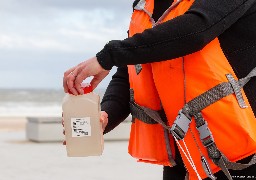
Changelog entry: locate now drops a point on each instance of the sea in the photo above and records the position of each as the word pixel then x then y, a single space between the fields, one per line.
pixel 33 102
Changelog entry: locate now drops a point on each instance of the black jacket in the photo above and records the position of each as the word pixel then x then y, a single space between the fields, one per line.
pixel 232 21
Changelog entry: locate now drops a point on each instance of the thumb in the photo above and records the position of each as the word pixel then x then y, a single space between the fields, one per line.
pixel 95 82
pixel 98 78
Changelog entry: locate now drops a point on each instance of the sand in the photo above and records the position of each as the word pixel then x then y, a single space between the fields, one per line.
pixel 12 123
pixel 25 160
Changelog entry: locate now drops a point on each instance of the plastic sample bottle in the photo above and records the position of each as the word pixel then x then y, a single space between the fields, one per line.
pixel 83 129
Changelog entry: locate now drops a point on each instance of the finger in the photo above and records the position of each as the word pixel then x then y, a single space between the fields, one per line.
pixel 95 82
pixel 65 85
pixel 70 82
pixel 78 83
pixel 103 113
pixel 97 79
pixel 104 125
pixel 73 91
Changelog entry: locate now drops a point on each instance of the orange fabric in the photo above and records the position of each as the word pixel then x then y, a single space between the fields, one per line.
pixel 233 128
pixel 153 148
pixel 148 151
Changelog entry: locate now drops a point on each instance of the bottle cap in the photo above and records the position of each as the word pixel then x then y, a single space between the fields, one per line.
pixel 86 87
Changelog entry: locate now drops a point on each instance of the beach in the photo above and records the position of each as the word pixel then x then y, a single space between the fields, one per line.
pixel 22 159
pixel 12 124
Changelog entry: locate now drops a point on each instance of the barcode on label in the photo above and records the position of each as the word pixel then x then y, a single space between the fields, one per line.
pixel 81 127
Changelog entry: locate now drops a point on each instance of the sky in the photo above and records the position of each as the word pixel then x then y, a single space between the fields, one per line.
pixel 41 39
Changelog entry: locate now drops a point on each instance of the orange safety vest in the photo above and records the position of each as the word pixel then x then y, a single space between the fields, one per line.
pixel 162 85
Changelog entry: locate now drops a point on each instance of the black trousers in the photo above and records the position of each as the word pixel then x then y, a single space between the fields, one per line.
pixel 178 172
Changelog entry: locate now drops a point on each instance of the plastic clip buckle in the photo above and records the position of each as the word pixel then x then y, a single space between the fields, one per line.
pixel 180 126
pixel 205 135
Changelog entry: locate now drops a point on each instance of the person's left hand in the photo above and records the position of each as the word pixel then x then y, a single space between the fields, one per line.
pixel 74 77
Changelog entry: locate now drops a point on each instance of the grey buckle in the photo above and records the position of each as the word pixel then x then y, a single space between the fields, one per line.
pixel 205 135
pixel 180 126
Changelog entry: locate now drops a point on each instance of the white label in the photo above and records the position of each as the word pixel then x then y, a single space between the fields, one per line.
pixel 81 127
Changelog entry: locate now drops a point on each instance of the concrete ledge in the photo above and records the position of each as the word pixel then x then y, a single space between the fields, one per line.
pixel 44 129
pixel 49 129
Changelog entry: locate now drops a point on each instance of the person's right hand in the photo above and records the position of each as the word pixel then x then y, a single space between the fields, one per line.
pixel 74 77
pixel 103 120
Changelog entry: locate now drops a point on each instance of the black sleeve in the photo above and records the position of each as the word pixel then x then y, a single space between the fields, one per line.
pixel 185 34
pixel 116 99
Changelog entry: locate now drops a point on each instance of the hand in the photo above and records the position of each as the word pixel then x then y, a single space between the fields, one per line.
pixel 74 77
pixel 103 120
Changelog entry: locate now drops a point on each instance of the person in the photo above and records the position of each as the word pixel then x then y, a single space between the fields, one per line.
pixel 186 74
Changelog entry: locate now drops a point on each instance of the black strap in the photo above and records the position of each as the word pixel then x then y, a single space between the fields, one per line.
pixel 138 111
